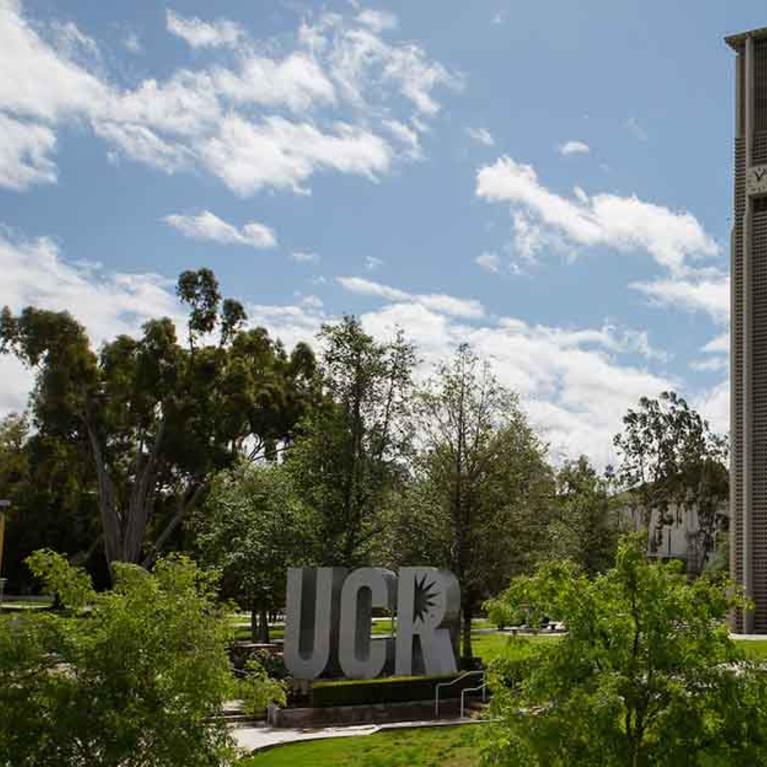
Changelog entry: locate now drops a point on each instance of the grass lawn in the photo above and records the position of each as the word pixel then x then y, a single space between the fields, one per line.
pixel 443 746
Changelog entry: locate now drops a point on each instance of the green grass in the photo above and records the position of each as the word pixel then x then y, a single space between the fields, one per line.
pixel 426 747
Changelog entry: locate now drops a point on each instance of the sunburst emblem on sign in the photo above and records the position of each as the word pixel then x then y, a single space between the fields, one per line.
pixel 425 598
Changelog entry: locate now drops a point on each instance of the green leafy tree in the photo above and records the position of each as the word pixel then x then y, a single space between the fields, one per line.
pixel 585 527
pixel 484 476
pixel 253 527
pixel 132 676
pixel 671 463
pixel 646 674
pixel 351 455
pixel 158 419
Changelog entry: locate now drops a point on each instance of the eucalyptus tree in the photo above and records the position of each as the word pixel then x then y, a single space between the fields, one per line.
pixel 158 417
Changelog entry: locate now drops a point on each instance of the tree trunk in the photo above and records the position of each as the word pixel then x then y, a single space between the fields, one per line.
pixel 263 633
pixel 253 622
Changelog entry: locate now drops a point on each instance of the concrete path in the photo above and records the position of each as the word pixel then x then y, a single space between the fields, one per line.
pixel 260 736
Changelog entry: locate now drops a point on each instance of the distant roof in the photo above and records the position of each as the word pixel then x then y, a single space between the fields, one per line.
pixel 736 41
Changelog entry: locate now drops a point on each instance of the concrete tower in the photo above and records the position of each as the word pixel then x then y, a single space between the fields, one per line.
pixel 748 330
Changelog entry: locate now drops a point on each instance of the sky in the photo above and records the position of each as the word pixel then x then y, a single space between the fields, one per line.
pixel 549 181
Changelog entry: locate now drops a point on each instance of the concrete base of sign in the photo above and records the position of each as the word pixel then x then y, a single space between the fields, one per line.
pixel 378 713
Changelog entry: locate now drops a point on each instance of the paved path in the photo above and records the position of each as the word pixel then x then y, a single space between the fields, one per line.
pixel 260 736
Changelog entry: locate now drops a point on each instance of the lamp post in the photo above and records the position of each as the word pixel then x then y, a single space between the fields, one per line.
pixel 4 504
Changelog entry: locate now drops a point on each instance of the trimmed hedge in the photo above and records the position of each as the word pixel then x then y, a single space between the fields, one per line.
pixel 386 690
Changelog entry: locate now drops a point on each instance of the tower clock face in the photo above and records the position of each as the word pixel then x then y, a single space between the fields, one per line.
pixel 756 180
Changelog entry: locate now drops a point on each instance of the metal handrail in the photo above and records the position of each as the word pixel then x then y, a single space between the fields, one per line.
pixel 482 687
pixel 448 684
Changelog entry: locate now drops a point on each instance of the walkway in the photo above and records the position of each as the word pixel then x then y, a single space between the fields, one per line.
pixel 259 736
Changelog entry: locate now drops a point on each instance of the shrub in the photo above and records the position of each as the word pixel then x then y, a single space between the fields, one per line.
pixel 646 675
pixel 129 677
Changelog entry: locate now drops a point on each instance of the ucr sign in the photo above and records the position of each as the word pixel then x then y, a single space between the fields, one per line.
pixel 329 618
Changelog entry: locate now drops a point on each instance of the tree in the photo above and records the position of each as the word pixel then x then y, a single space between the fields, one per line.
pixel 484 470
pixel 646 674
pixel 585 527
pixel 253 527
pixel 671 463
pixel 350 456
pixel 158 419
pixel 133 676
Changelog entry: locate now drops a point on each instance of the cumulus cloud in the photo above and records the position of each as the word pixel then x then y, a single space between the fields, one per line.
pixel 305 256
pixel 228 116
pixel 573 147
pixel 480 136
pixel 694 293
pixel 490 262
pixel 201 34
pixel 24 154
pixel 377 20
pixel 438 302
pixel 623 223
pixel 277 152
pixel 206 226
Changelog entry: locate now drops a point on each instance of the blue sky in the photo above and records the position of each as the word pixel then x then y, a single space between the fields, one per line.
pixel 549 181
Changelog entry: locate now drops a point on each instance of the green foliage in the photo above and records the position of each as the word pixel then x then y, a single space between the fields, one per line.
pixel 481 497
pixel 350 459
pixel 672 464
pixel 132 680
pixel 585 527
pixel 253 527
pixel 646 675
pixel 257 689
pixel 151 420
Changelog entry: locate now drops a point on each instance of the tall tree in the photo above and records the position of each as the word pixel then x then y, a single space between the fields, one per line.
pixel 158 418
pixel 252 527
pixel 485 471
pixel 350 456
pixel 585 526
pixel 671 463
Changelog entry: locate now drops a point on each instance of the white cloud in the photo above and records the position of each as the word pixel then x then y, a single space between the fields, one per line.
pixel 481 136
pixel 143 145
pixel 107 303
pixel 221 117
pixel 359 60
pixel 693 292
pixel 623 223
pixel 490 262
pixel 372 263
pixel 206 226
pixel 132 43
pixel 201 34
pixel 718 345
pixel 573 382
pixel 573 147
pixel 378 21
pixel 280 153
pixel 438 302
pixel 24 154
pixel 296 81
pixel 305 257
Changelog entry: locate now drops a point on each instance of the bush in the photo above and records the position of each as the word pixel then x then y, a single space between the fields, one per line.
pixel 257 689
pixel 129 677
pixel 392 690
pixel 646 675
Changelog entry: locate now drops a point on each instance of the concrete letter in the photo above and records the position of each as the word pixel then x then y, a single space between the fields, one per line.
pixel 311 620
pixel 362 657
pixel 428 607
